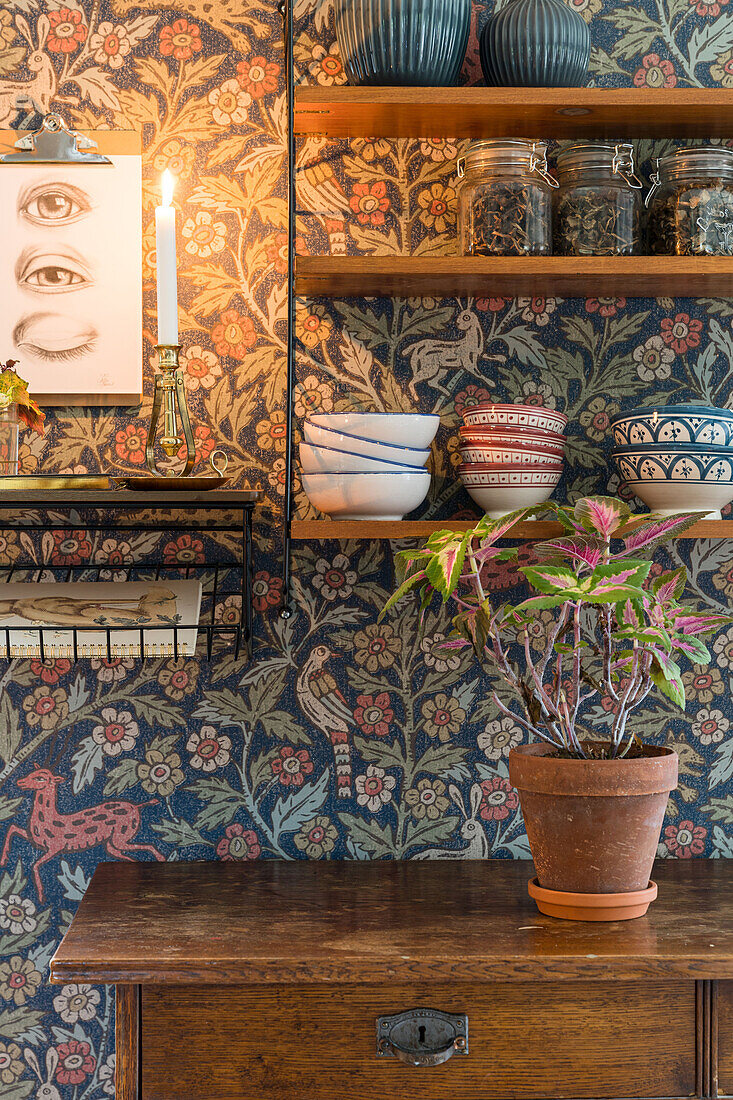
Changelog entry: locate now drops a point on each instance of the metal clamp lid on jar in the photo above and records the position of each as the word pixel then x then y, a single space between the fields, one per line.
pixel 700 161
pixel 584 156
pixel 507 153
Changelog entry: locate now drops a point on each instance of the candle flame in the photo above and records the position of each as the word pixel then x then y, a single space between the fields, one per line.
pixel 167 185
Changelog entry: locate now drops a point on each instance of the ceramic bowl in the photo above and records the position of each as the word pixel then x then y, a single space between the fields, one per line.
pixel 660 462
pixel 506 456
pixel 669 497
pixel 324 460
pixel 511 433
pixel 526 416
pixel 501 491
pixel 413 430
pixel 367 496
pixel 386 452
pixel 674 424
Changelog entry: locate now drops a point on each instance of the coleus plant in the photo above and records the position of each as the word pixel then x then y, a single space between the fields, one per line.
pixel 14 391
pixel 615 632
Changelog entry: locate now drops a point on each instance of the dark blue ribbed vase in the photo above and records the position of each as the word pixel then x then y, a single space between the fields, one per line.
pixel 402 41
pixel 535 44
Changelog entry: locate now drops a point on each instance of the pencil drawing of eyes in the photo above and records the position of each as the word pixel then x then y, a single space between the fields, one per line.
pixel 52 272
pixel 52 204
pixel 54 338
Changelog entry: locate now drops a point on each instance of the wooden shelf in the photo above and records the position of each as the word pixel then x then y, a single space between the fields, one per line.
pixel 306 529
pixel 512 276
pixel 513 112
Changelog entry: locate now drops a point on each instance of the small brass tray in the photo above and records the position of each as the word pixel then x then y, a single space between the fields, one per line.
pixel 16 482
pixel 169 484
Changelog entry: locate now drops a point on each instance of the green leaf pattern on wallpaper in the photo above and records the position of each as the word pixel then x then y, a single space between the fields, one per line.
pixel 234 761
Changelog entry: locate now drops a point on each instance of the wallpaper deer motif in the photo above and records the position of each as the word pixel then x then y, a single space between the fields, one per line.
pixel 342 738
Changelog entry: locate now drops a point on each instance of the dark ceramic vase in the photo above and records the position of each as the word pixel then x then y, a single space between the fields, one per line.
pixel 535 44
pixel 403 41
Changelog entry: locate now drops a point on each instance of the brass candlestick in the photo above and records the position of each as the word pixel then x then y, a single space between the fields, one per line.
pixel 169 393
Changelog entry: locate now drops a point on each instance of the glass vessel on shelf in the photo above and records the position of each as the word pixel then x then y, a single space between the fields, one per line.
pixel 505 204
pixel 691 203
pixel 597 205
pixel 9 425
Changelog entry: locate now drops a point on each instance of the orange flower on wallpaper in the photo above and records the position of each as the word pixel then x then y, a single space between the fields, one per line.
pixel 370 202
pixel 258 76
pixel 180 39
pixel 234 334
pixel 177 157
pixel 130 444
pixel 68 30
pixel 277 253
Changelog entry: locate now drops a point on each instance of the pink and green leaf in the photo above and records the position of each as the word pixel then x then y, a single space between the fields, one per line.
pixel 648 535
pixel 601 515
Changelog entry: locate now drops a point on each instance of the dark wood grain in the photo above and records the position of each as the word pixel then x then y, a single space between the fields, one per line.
pixel 509 276
pixel 508 112
pixel 124 498
pixel 304 529
pixel 127 1032
pixel 525 1040
pixel 300 922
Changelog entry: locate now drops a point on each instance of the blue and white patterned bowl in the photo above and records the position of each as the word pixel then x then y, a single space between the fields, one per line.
pixel 662 462
pixel 674 424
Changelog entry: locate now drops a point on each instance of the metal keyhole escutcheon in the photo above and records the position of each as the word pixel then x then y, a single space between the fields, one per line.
pixel 422 1037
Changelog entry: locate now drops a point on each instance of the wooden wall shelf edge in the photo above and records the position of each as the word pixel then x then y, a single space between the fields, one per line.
pixel 509 277
pixel 303 529
pixel 507 112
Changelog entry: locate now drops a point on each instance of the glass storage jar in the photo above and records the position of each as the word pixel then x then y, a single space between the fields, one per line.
pixel 597 205
pixel 691 203
pixel 505 204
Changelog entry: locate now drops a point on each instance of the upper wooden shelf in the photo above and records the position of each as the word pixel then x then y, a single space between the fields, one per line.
pixel 512 276
pixel 510 112
pixel 303 529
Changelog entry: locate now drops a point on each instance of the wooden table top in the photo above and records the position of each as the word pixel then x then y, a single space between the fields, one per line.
pixel 281 922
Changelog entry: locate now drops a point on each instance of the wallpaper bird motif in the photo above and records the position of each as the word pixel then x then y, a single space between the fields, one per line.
pixel 342 738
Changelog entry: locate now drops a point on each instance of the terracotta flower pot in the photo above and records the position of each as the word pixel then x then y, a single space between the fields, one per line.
pixel 593 825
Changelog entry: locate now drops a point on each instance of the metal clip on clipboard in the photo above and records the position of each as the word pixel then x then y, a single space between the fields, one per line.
pixel 54 143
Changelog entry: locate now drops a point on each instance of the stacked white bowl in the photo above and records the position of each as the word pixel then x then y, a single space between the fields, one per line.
pixel 512 455
pixel 677 458
pixel 367 465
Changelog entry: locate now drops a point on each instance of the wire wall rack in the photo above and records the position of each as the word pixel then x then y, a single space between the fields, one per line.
pixel 225 573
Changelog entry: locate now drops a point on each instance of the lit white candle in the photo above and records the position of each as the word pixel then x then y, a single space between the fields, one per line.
pixel 165 250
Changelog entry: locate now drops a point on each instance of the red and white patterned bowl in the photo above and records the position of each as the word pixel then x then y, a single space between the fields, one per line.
pixel 510 456
pixel 509 432
pixel 501 491
pixel 509 475
pixel 546 441
pixel 526 416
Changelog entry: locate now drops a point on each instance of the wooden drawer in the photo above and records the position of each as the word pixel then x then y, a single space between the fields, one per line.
pixel 526 1040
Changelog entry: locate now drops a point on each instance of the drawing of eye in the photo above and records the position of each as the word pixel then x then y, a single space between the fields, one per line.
pixel 54 338
pixel 53 204
pixel 52 273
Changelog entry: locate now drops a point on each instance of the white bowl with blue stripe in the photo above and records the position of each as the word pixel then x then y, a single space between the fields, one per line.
pixel 674 424
pixel 414 430
pixel 319 436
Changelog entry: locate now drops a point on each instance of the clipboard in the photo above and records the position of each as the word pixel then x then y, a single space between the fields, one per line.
pixel 71 269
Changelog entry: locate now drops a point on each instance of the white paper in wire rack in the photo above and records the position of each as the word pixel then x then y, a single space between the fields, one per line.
pixel 156 607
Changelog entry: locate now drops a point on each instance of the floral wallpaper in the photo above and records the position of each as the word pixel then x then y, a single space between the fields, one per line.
pixel 342 738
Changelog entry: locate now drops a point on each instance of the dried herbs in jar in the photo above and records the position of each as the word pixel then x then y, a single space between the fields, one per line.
pixel 691 203
pixel 505 205
pixel 597 206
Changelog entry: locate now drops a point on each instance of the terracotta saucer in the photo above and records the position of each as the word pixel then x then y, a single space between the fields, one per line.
pixel 569 906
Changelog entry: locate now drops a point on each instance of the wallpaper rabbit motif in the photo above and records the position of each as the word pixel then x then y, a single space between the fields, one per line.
pixel 228 760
